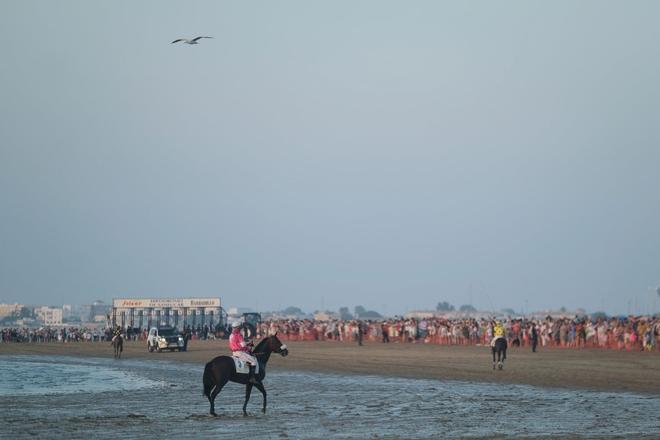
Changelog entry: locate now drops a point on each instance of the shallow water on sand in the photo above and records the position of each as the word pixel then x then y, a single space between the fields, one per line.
pixel 25 375
pixel 66 397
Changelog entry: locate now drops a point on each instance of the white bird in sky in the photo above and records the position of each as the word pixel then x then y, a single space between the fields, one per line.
pixel 187 41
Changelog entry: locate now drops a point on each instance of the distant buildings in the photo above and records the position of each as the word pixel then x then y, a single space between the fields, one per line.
pixel 421 314
pixel 326 316
pixel 98 311
pixel 20 314
pixel 10 309
pixel 557 314
pixel 238 311
pixel 49 315
pixel 453 314
pixel 67 311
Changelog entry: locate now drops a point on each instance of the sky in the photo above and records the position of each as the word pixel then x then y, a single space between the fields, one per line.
pixel 327 154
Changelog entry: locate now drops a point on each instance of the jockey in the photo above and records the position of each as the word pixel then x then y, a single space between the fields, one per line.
pixel 498 332
pixel 242 350
pixel 116 333
pixel 499 329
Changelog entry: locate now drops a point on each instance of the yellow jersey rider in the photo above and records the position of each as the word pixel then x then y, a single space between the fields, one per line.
pixel 498 332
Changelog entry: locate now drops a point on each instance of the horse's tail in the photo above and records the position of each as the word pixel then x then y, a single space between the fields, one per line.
pixel 207 379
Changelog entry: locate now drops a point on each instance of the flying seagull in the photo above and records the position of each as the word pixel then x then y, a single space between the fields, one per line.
pixel 187 41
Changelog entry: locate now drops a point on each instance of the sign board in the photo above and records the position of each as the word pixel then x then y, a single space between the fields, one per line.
pixel 161 303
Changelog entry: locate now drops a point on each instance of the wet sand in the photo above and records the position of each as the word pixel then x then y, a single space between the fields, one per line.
pixel 588 368
pixel 67 397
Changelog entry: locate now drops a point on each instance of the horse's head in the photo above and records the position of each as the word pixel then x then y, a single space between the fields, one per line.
pixel 276 345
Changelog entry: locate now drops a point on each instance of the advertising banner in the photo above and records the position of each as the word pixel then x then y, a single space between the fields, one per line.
pixel 161 303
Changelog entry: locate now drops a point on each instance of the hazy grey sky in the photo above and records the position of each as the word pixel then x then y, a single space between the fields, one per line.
pixel 389 154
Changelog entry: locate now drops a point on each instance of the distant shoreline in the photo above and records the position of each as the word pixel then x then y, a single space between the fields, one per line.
pixel 603 370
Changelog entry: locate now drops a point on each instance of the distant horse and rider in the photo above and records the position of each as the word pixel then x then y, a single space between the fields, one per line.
pixel 223 369
pixel 118 345
pixel 498 346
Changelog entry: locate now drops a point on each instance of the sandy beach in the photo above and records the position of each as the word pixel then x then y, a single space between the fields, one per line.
pixel 588 368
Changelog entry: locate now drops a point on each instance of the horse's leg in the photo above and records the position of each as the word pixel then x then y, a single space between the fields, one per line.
pixel 211 398
pixel 493 350
pixel 212 395
pixel 261 388
pixel 248 390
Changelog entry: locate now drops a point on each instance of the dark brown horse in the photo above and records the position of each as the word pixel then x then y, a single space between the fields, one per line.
pixel 222 369
pixel 499 348
pixel 118 345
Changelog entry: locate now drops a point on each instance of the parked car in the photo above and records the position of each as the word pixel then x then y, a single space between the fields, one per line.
pixel 164 338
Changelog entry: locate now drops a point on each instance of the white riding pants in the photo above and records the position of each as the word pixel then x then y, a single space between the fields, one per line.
pixel 246 357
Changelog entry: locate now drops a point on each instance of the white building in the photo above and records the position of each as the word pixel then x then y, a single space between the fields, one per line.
pixel 49 315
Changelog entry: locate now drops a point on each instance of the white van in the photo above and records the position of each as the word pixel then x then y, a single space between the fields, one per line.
pixel 164 338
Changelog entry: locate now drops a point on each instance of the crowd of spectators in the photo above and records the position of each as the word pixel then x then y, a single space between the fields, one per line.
pixel 631 333
pixel 54 334
pixel 83 334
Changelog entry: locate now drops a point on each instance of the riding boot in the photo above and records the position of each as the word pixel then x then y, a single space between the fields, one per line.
pixel 251 376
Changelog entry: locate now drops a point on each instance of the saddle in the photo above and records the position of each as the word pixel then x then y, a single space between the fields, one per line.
pixel 243 367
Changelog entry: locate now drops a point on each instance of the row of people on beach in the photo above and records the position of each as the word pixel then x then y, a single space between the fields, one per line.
pixel 85 334
pixel 54 334
pixel 631 333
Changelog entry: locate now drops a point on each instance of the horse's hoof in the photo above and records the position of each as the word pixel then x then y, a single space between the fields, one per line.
pixel 245 414
pixel 214 414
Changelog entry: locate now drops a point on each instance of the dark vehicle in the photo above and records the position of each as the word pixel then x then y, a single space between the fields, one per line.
pixel 250 323
pixel 222 329
pixel 164 338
